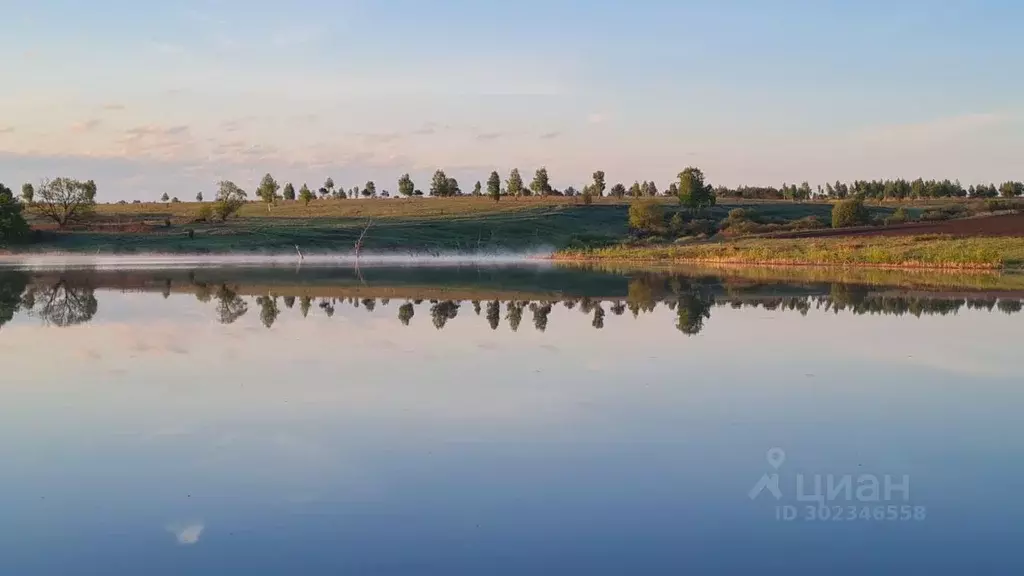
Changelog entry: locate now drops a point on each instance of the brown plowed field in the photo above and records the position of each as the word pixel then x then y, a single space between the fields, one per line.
pixel 1002 225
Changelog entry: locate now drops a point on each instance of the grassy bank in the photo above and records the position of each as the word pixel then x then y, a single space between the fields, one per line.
pixel 896 252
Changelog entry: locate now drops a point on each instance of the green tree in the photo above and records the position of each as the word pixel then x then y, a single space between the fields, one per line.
pixel 370 189
pixel 693 192
pixel 65 200
pixel 165 197
pixel 494 186
pixel 635 191
pixel 328 186
pixel 646 216
pixel 849 212
pixel 289 191
pixel 267 190
pixel 90 190
pixel 597 188
pixel 13 227
pixel 199 197
pixel 441 185
pixel 477 188
pixel 1010 189
pixel 541 185
pixel 618 191
pixel 230 199
pixel 305 194
pixel 28 192
pixel 514 184
pixel 405 186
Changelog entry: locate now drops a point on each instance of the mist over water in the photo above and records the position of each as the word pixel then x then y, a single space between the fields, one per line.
pixel 538 257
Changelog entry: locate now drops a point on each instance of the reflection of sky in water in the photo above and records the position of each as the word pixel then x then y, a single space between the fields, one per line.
pixel 155 440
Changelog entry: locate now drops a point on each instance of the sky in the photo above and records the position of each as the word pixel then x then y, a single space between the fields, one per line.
pixel 153 97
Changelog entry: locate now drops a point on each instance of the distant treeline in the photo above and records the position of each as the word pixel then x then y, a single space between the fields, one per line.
pixel 875 189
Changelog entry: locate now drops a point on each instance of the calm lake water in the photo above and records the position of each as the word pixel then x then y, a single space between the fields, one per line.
pixel 216 419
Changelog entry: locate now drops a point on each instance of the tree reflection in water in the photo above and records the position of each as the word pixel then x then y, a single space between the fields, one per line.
pixel 68 299
pixel 65 304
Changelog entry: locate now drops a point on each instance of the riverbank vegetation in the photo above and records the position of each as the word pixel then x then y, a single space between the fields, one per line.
pixel 898 251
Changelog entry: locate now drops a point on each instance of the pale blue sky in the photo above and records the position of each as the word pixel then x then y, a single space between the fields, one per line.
pixel 148 97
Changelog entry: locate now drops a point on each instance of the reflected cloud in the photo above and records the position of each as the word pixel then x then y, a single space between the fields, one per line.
pixel 187 535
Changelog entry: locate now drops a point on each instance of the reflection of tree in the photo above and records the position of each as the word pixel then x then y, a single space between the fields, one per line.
pixel 540 315
pixel 370 304
pixel 12 285
pixel 289 301
pixel 1009 306
pixel 598 321
pixel 304 304
pixel 268 310
pixel 514 314
pixel 494 314
pixel 693 307
pixel 327 307
pixel 204 292
pixel 406 312
pixel 64 304
pixel 230 306
pixel 476 307
pixel 442 312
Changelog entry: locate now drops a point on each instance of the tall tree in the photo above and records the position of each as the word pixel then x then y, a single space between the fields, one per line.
pixel 13 227
pixel 514 184
pixel 693 192
pixel 329 186
pixel 405 186
pixel 65 200
pixel 597 188
pixel 541 185
pixel 199 197
pixel 370 189
pixel 289 191
pixel 305 194
pixel 494 186
pixel 28 192
pixel 165 197
pixel 635 190
pixel 267 190
pixel 441 185
pixel 477 188
pixel 230 199
pixel 618 190
pixel 405 313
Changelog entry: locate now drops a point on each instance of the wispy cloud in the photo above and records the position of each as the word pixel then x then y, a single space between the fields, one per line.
pixel 550 135
pixel 483 136
pixel 113 107
pixel 932 131
pixel 596 118
pixel 85 126
pixel 6 129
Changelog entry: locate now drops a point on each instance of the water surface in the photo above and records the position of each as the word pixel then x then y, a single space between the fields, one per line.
pixel 513 419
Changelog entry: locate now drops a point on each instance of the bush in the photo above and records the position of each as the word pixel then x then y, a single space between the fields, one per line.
pixel 676 224
pixel 849 213
pixel 935 215
pixel 739 214
pixel 588 199
pixel 698 227
pixel 646 216
pixel 205 213
pixel 898 217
